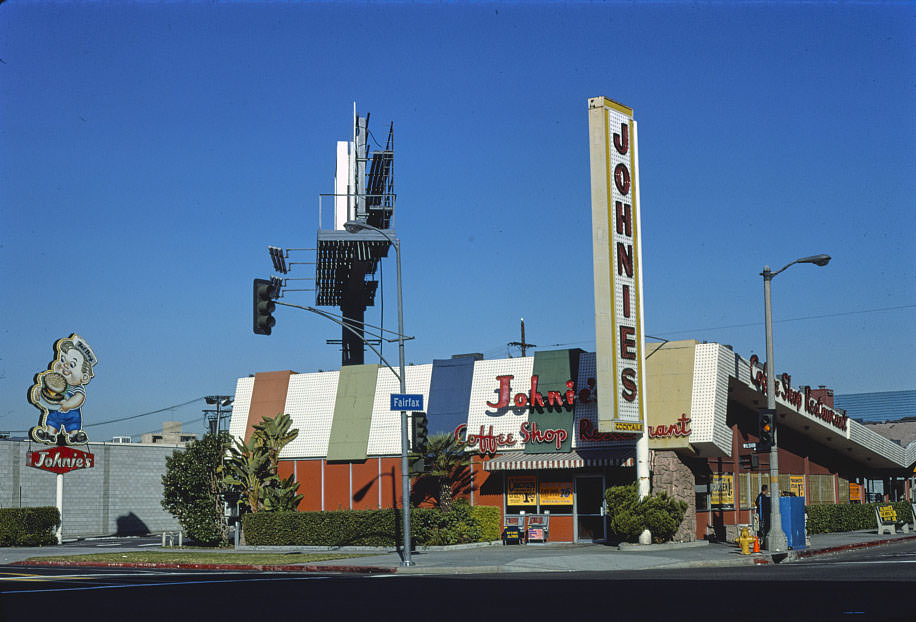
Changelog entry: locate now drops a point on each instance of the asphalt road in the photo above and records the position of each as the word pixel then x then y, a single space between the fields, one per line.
pixel 874 584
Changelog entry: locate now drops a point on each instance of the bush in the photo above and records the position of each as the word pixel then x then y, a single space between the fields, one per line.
pixel 488 517
pixel 190 489
pixel 428 526
pixel 628 516
pixel 831 518
pixel 28 526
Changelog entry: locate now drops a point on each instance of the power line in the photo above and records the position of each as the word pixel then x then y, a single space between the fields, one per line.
pixel 152 412
pixel 794 319
pixel 751 324
pixel 183 423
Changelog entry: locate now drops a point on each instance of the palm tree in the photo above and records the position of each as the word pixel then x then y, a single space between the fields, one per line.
pixel 246 471
pixel 447 465
pixel 273 435
pixel 253 466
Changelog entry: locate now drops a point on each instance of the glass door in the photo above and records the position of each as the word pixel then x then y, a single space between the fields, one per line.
pixel 590 523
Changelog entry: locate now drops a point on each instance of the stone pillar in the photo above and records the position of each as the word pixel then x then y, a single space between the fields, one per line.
pixel 671 475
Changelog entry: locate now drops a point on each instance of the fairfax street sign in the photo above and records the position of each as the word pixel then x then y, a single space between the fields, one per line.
pixel 406 401
pixel 60 459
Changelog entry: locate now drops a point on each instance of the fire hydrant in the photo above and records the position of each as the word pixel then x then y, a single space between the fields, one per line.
pixel 745 540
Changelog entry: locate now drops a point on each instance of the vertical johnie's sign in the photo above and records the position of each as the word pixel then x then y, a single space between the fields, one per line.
pixel 616 246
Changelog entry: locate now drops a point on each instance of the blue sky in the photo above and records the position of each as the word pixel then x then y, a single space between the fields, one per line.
pixel 149 153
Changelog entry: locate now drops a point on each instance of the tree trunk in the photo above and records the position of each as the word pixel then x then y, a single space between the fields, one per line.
pixel 445 494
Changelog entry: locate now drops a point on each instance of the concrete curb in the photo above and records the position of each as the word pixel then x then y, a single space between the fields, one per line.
pixel 847 547
pixel 665 546
pixel 249 567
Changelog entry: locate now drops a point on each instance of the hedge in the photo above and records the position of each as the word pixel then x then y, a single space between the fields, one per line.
pixel 428 526
pixel 488 517
pixel 830 518
pixel 28 526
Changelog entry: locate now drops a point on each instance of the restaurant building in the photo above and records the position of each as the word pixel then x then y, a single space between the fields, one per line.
pixel 532 426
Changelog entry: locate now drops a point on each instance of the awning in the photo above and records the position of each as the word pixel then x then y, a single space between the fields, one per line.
pixel 519 461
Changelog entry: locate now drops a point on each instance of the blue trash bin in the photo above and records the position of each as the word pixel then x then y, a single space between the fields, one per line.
pixel 792 513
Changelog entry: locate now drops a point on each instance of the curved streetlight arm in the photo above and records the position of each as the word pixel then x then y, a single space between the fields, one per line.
pixel 331 317
pixel 818 260
pixel 377 331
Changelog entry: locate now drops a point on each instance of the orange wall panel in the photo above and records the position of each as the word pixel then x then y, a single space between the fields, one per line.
pixel 391 482
pixel 337 486
pixel 366 485
pixel 561 528
pixel 268 397
pixel 308 474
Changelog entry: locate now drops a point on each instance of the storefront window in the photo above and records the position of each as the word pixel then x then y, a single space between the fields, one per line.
pixel 701 492
pixel 844 490
pixel 821 489
pixel 750 488
pixel 555 494
pixel 722 491
pixel 521 494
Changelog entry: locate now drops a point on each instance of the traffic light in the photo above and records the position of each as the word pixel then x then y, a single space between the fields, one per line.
pixel 419 424
pixel 416 464
pixel 749 462
pixel 766 430
pixel 263 306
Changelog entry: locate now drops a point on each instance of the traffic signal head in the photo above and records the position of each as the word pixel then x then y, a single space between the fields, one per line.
pixel 264 291
pixel 419 424
pixel 766 430
pixel 749 462
pixel 416 464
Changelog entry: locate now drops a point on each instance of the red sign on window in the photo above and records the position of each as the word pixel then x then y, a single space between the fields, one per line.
pixel 60 459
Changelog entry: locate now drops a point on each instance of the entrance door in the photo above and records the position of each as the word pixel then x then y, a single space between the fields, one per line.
pixel 590 524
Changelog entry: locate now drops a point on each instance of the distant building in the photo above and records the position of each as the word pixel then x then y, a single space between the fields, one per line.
pixel 879 407
pixel 171 435
pixel 120 439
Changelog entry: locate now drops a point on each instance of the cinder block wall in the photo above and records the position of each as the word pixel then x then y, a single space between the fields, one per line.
pixel 120 495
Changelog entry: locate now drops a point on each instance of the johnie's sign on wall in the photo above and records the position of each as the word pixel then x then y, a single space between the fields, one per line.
pixel 617 259
pixel 60 459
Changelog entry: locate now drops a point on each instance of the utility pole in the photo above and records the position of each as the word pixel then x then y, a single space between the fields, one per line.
pixel 522 344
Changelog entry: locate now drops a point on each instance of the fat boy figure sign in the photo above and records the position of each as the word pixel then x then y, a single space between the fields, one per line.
pixel 60 391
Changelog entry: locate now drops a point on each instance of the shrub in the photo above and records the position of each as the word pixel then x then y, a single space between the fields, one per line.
pixel 28 526
pixel 428 526
pixel 191 490
pixel 488 518
pixel 831 518
pixel 628 516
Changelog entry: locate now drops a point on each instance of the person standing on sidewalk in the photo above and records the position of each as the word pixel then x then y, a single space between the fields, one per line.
pixel 763 512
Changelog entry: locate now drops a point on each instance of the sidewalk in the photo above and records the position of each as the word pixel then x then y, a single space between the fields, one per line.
pixel 598 557
pixel 497 558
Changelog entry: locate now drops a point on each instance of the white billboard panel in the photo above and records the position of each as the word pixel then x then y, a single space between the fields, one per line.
pixel 617 258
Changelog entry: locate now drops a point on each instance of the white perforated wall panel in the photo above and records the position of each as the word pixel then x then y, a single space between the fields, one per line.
pixel 589 410
pixel 310 402
pixel 870 439
pixel 240 407
pixel 484 389
pixel 708 408
pixel 385 431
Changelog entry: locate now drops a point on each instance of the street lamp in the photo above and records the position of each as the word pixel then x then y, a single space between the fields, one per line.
pixel 220 401
pixel 355 226
pixel 776 537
